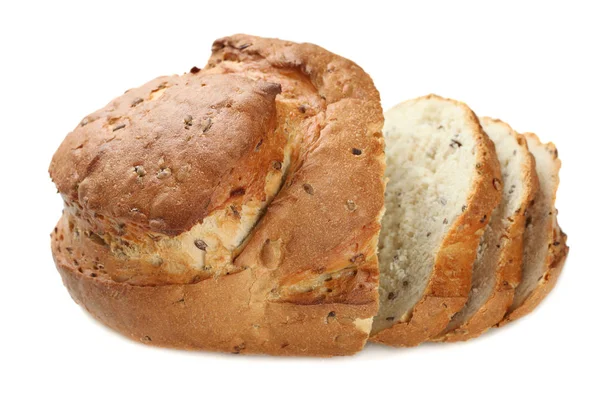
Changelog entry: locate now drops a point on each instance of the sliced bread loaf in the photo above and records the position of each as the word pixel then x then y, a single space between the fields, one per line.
pixel 545 248
pixel 444 183
pixel 497 269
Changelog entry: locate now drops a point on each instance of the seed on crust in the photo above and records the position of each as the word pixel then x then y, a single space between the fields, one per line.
pixel 308 188
pixel 350 205
pixel 163 173
pixel 497 183
pixel 201 244
pixel 136 101
pixel 120 126
pixel 139 170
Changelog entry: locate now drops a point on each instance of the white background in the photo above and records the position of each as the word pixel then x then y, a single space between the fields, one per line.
pixel 535 65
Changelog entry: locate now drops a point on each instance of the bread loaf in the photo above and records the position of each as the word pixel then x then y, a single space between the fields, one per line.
pixel 235 208
pixel 444 183
pixel 238 208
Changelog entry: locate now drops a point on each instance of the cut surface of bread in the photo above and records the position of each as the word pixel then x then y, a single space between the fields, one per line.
pixel 443 184
pixel 497 269
pixel 545 248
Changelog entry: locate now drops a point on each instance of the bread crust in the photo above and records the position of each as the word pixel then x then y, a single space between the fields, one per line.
pixel 450 282
pixel 320 231
pixel 556 263
pixel 214 314
pixel 557 249
pixel 138 160
pixel 508 272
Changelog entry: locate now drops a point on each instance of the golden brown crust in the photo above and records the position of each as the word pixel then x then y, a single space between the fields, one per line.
pixel 557 261
pixel 307 274
pixel 166 161
pixel 557 249
pixel 215 314
pixel 508 272
pixel 450 282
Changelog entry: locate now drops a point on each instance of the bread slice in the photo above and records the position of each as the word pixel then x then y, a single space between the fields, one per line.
pixel 444 183
pixel 545 247
pixel 497 269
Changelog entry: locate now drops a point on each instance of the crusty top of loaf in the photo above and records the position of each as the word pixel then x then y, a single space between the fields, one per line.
pixel 326 216
pixel 169 153
pixel 269 105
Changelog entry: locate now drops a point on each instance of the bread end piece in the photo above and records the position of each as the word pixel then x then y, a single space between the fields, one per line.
pixel 552 251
